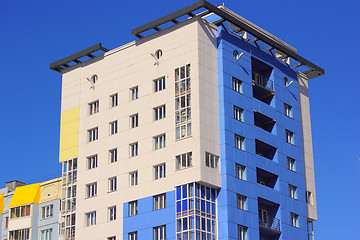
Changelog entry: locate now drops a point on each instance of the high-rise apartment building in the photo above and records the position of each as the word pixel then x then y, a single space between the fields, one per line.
pixel 30 212
pixel 199 129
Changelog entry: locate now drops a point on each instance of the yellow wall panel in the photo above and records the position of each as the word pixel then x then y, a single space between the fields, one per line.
pixel 25 195
pixel 69 134
pixel 50 190
pixel 2 203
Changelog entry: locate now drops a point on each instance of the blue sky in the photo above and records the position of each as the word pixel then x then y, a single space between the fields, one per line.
pixel 36 33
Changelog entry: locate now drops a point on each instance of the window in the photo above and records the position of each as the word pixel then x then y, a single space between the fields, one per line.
pixel 159 201
pixel 113 155
pixel 237 85
pixel 286 81
pixel 289 136
pixel 291 164
pixel 294 219
pixel 93 134
pixel 111 238
pixel 288 110
pixel 133 208
pixel 239 142
pixel 133 149
pixel 309 198
pixel 113 127
pixel 91 190
pixel 160 233
pixel 92 162
pixel 133 178
pixel 6 225
pixel 159 84
pixel 159 141
pixel 182 102
pixel 22 234
pixel 90 219
pixel 134 120
pixel 112 213
pixel 47 212
pixel 19 212
pixel 240 172
pixel 113 100
pixel 238 114
pixel 112 184
pixel 211 160
pixel 159 112
pixel 134 93
pixel 183 160
pixel 159 171
pixel 241 202
pixel 242 232
pixel 94 107
pixel 310 228
pixel 133 236
pixel 46 234
pixel 292 191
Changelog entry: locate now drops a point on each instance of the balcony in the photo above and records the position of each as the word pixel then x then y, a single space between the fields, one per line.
pixel 263 87
pixel 270 223
pixel 264 122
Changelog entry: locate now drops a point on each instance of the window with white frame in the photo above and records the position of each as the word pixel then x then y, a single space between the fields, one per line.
pixel 133 236
pixel 159 141
pixel 91 190
pixel 240 171
pixel 294 218
pixel 237 85
pixel 6 224
pixel 113 155
pixel 111 238
pixel 242 232
pixel 134 120
pixel 288 110
pixel 19 212
pixel 159 112
pixel 160 233
pixel 133 208
pixel 291 164
pixel 289 136
pixel 93 107
pixel 241 201
pixel 113 127
pixel 47 211
pixel 134 93
pixel 134 149
pixel 159 201
pixel 239 142
pixel 182 102
pixel 183 160
pixel 292 191
pixel 90 218
pixel 112 184
pixel 45 234
pixel 133 181
pixel 160 171
pixel 92 134
pixel 211 160
pixel 238 114
pixel 159 84
pixel 309 198
pixel 22 234
pixel 112 213
pixel 92 162
pixel 113 100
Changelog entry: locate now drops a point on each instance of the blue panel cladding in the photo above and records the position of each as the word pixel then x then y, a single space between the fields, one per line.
pixel 229 216
pixel 147 218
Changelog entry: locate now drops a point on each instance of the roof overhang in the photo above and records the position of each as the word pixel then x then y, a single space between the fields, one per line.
pixel 242 24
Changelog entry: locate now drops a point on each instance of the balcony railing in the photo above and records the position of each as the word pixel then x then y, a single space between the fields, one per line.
pixel 270 223
pixel 264 83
